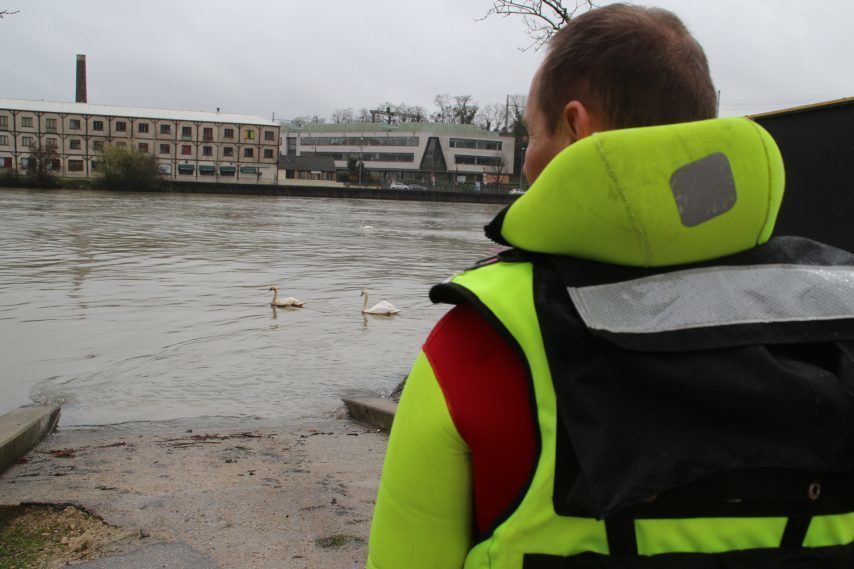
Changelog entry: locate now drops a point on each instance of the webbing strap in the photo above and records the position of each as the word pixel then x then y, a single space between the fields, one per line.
pixel 796 531
pixel 622 538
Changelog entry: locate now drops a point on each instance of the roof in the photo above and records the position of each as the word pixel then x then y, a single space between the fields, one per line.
pixel 133 112
pixel 400 129
pixel 312 163
pixel 804 108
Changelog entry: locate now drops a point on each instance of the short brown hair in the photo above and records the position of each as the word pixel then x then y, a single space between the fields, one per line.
pixel 632 65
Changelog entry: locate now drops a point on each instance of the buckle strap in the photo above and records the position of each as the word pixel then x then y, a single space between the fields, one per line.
pixel 796 531
pixel 622 538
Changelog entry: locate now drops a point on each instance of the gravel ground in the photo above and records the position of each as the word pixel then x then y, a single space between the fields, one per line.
pixel 296 496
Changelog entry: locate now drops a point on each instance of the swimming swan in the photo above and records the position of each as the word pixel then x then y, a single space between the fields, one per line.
pixel 287 302
pixel 382 308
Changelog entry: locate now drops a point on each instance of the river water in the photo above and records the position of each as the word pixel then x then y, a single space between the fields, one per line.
pixel 152 307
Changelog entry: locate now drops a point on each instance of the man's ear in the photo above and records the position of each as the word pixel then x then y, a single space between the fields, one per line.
pixel 578 121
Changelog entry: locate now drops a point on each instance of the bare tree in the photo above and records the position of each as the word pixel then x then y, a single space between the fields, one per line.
pixel 340 116
pixel 411 113
pixel 542 17
pixel 394 114
pixel 445 112
pixel 490 117
pixel 363 115
pixel 497 172
pixel 464 109
pixel 307 119
pixel 4 13
pixel 515 113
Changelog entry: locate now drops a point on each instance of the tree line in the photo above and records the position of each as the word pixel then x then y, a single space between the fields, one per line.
pixel 507 117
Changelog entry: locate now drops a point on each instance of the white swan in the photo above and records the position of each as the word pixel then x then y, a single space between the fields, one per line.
pixel 381 308
pixel 287 302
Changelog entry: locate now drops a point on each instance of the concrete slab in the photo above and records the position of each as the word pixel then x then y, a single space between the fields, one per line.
pixel 156 555
pixel 372 411
pixel 267 498
pixel 22 429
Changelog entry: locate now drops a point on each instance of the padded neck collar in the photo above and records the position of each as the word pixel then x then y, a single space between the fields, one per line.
pixel 652 196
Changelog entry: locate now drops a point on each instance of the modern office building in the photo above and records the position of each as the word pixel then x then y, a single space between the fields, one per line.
pixel 188 145
pixel 429 154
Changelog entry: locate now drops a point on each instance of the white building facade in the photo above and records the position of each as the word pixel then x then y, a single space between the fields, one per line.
pixel 188 145
pixel 429 154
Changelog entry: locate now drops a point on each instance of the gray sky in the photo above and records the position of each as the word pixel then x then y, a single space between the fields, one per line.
pixel 310 57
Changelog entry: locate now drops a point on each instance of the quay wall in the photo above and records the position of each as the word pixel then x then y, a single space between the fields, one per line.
pixel 343 192
pixel 295 190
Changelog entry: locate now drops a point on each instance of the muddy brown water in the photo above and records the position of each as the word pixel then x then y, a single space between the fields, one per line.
pixel 152 307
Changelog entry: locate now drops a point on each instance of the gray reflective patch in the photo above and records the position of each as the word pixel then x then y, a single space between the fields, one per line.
pixel 703 189
pixel 718 296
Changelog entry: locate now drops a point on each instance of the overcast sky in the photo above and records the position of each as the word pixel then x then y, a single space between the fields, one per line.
pixel 310 57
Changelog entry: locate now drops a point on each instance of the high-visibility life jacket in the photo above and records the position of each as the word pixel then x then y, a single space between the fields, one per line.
pixel 692 386
pixel 690 417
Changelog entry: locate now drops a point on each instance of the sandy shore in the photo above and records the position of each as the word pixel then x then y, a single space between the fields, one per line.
pixel 296 496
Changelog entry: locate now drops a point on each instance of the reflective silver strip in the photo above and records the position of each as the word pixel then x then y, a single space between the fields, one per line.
pixel 718 296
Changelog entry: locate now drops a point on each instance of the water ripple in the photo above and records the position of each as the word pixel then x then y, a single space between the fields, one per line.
pixel 135 307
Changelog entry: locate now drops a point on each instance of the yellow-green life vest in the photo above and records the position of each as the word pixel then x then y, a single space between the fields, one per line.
pixel 535 536
pixel 659 198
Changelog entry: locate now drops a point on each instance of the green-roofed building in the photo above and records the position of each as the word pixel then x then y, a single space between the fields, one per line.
pixel 420 153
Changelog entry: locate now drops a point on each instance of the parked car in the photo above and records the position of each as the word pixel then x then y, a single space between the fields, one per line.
pixel 517 192
pixel 398 186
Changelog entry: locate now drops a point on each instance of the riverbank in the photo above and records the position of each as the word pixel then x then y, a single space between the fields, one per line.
pixel 296 495
pixel 448 195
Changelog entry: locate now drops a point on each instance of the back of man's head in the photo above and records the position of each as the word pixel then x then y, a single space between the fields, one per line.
pixel 631 66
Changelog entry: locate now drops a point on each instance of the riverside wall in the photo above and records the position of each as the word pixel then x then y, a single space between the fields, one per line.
pixel 313 191
pixel 486 197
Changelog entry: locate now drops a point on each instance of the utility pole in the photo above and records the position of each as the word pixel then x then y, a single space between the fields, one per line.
pixel 507 114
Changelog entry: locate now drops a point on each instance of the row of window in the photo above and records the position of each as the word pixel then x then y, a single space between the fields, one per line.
pixel 359 141
pixel 478 160
pixel 367 156
pixel 28 141
pixel 209 170
pixel 77 165
pixel 473 144
pixel 98 146
pixel 141 128
pixel 494 161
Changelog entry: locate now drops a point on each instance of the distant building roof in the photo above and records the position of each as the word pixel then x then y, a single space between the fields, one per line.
pixel 135 112
pixel 804 108
pixel 307 163
pixel 402 128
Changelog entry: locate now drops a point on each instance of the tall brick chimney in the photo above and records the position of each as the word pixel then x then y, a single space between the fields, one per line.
pixel 81 79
